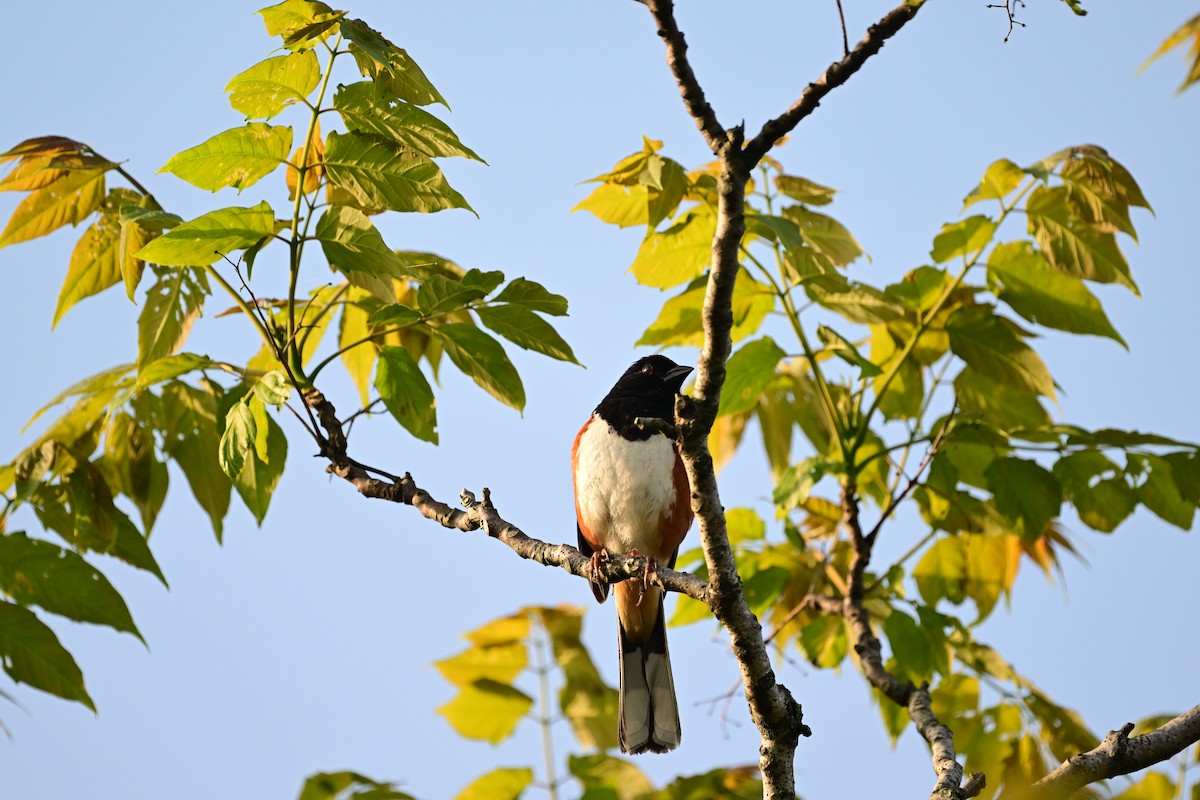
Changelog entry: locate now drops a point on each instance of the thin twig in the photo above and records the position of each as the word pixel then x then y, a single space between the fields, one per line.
pixel 1009 7
pixel 845 38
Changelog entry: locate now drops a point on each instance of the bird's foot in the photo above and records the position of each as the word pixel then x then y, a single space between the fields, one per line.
pixel 596 567
pixel 650 573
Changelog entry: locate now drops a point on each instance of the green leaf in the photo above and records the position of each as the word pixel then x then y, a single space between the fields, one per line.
pixel 35 572
pixel 406 393
pixel 391 69
pixel 910 645
pixel 32 654
pixel 238 157
pixel 172 305
pixel 405 124
pixel 272 85
pixel 1071 245
pixel 131 547
pixel 486 711
pixel 1160 493
pixel 352 243
pixel 1006 406
pixel 482 357
pixel 525 329
pixel 988 343
pixel 377 174
pixel 273 388
pixel 92 504
pixel 439 294
pixel 842 347
pixel 962 238
pixel 806 191
pixel 747 374
pixel 192 440
pixel 1021 277
pixel 348 786
pixel 68 200
pixel 668 184
pixel 203 240
pixel 394 315
pixel 533 296
pixel 1001 178
pixel 499 784
pixel 678 254
pixel 681 320
pixel 857 302
pixel 237 440
pixel 824 641
pixel 825 235
pixel 1026 493
pixel 257 480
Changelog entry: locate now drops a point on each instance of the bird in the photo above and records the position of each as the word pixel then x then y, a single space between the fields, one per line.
pixel 632 496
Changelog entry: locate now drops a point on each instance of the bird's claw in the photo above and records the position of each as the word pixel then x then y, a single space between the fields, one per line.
pixel 596 567
pixel 649 575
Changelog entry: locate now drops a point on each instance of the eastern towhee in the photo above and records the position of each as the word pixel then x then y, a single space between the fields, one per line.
pixel 632 496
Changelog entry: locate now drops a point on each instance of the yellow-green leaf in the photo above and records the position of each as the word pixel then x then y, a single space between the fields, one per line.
pixel 1001 178
pixel 499 784
pixel 238 157
pixel 678 254
pixel 377 174
pixel 363 111
pixel 498 662
pixel 391 69
pixel 205 239
pixel 272 85
pixel 486 711
pixel 989 344
pixel 747 374
pixel 962 238
pixel 1071 244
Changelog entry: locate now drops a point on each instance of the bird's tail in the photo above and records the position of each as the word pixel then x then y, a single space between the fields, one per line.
pixel 648 711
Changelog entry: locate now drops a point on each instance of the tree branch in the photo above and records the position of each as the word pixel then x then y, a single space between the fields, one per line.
pixel 870 653
pixel 482 515
pixel 1119 754
pixel 835 75
pixel 689 86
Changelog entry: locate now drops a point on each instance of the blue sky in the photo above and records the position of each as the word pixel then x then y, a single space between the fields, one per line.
pixel 306 644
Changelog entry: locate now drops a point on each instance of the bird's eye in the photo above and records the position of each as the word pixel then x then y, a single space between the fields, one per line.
pixel 648 369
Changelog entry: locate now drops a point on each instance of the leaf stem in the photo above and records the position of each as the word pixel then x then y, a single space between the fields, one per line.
pixel 242 304
pixel 296 243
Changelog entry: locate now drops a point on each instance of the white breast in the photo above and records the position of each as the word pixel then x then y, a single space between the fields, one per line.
pixel 622 488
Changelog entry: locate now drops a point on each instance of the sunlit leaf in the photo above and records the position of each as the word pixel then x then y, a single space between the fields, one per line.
pixel 312 159
pixel 844 349
pixel 962 238
pixel 678 254
pixel 1071 245
pixel 392 70
pixel 172 305
pixel 990 345
pixel 205 239
pixel 377 174
pixel 406 124
pixel 1001 178
pixel 67 201
pixel 486 711
pixel 272 85
pixel 604 776
pixel 806 191
pixel 256 481
pixel 1021 277
pixel 238 157
pixel 1188 30
pixel 825 235
pixel 681 320
pixel 351 242
pixel 499 784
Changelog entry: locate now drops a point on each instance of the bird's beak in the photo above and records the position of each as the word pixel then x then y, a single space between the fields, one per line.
pixel 675 375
